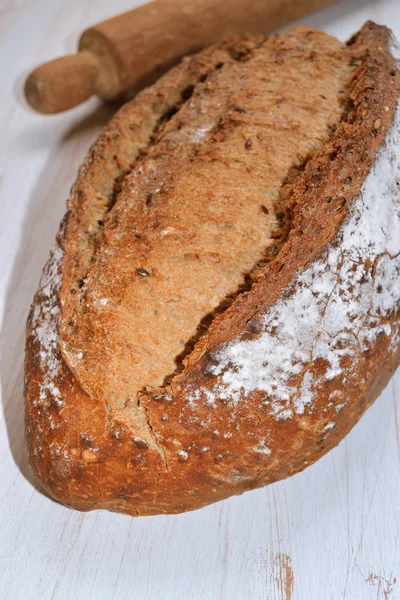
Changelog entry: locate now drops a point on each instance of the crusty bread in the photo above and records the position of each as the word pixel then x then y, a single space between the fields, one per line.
pixel 222 303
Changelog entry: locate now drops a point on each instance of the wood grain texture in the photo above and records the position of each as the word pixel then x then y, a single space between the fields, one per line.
pixel 332 532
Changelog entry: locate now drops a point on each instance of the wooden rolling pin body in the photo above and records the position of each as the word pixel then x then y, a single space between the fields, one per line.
pixel 119 56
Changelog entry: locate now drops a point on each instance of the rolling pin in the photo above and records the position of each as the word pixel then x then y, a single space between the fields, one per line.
pixel 121 55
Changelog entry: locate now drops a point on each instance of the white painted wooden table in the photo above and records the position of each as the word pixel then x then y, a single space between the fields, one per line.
pixel 331 532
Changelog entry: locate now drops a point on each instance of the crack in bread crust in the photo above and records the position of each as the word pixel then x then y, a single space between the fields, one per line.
pixel 187 226
pixel 127 139
pixel 87 458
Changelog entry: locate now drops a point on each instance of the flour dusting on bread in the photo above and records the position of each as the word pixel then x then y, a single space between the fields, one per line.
pixel 45 328
pixel 335 308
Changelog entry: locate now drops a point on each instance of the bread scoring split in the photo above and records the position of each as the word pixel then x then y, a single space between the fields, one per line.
pixel 199 211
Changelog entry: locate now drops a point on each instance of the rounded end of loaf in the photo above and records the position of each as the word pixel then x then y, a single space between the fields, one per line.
pixel 62 83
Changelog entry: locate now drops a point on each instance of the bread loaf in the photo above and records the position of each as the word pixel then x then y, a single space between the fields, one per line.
pixel 222 303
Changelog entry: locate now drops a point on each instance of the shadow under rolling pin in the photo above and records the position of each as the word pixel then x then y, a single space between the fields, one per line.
pixel 119 56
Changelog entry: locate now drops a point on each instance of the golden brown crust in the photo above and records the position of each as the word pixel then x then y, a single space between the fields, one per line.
pixel 203 206
pixel 193 446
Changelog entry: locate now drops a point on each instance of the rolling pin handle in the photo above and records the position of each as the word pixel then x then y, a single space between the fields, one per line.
pixel 62 83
